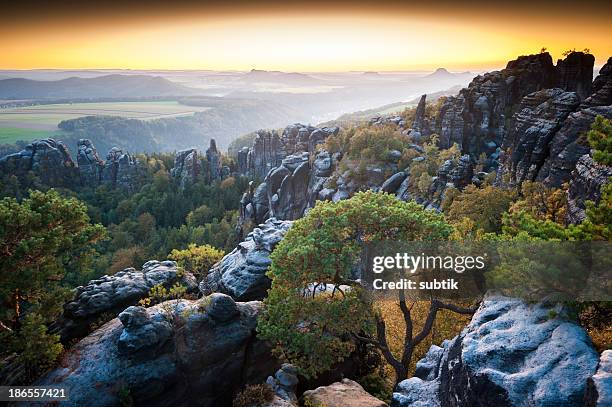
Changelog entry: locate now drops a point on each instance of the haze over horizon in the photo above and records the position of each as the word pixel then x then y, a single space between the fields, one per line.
pixel 296 36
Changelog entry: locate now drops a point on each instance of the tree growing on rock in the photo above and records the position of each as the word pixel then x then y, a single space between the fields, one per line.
pixel 312 328
pixel 45 240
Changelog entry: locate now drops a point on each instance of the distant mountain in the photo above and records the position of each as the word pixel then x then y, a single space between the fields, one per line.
pixel 444 74
pixel 116 86
pixel 256 75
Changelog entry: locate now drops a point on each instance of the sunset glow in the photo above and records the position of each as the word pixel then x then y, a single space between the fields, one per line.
pixel 297 39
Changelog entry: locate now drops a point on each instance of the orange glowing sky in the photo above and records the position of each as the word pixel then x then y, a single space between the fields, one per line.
pixel 296 36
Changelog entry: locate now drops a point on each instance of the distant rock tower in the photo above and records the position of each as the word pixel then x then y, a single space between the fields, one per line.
pixel 213 156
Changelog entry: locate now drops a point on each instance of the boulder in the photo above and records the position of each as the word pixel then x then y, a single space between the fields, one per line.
pixel 346 393
pixel 241 273
pixel 585 185
pixel 109 295
pixel 510 354
pixel 176 353
pixel 284 384
pixel 599 387
pixel 392 184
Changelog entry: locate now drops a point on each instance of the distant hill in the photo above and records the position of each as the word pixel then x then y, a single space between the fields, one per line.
pixel 444 74
pixel 386 110
pixel 256 75
pixel 103 86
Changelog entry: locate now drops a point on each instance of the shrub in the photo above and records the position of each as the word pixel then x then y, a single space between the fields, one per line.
pixel 197 259
pixel 254 395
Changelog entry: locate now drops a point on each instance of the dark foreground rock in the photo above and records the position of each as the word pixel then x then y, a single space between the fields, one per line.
pixel 241 273
pixel 511 354
pixel 178 353
pixel 112 294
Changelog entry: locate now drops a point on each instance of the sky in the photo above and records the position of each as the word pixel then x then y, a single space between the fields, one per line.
pixel 305 36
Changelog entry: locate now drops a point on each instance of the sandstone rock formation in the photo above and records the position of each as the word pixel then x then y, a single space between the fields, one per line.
pixel 342 394
pixel 539 116
pixel 120 169
pixel 269 148
pixel 170 354
pixel 599 387
pixel 602 87
pixel 476 118
pixel 241 273
pixel 511 354
pixel 49 159
pixel 420 124
pixel 586 183
pixel 90 164
pixel 284 384
pixel 187 167
pixel 112 294
pixel 575 73
pixel 569 144
pixel 215 165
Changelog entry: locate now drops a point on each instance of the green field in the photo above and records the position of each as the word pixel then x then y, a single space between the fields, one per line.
pixel 40 121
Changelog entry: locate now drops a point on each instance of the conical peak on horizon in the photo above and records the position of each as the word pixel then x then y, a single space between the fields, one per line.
pixel 298 36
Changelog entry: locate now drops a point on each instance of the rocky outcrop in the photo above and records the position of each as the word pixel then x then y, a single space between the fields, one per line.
pixel 284 384
pixel 599 387
pixel 49 159
pixel 90 164
pixel 455 173
pixel 476 118
pixel 288 190
pixel 539 117
pixel 169 354
pixel 187 167
pixel 420 124
pixel 342 394
pixel 511 354
pixel 241 273
pixel 569 144
pixel 120 169
pixel 269 148
pixel 215 165
pixel 602 87
pixel 112 294
pixel 585 185
pixel 575 73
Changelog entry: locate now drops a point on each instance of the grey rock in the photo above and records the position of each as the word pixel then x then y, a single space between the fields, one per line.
pixel 599 387
pixel 90 164
pixel 511 354
pixel 215 165
pixel 392 184
pixel 112 294
pixel 241 273
pixel 539 117
pixel 601 87
pixel 49 159
pixel 187 167
pixel 170 354
pixel 585 185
